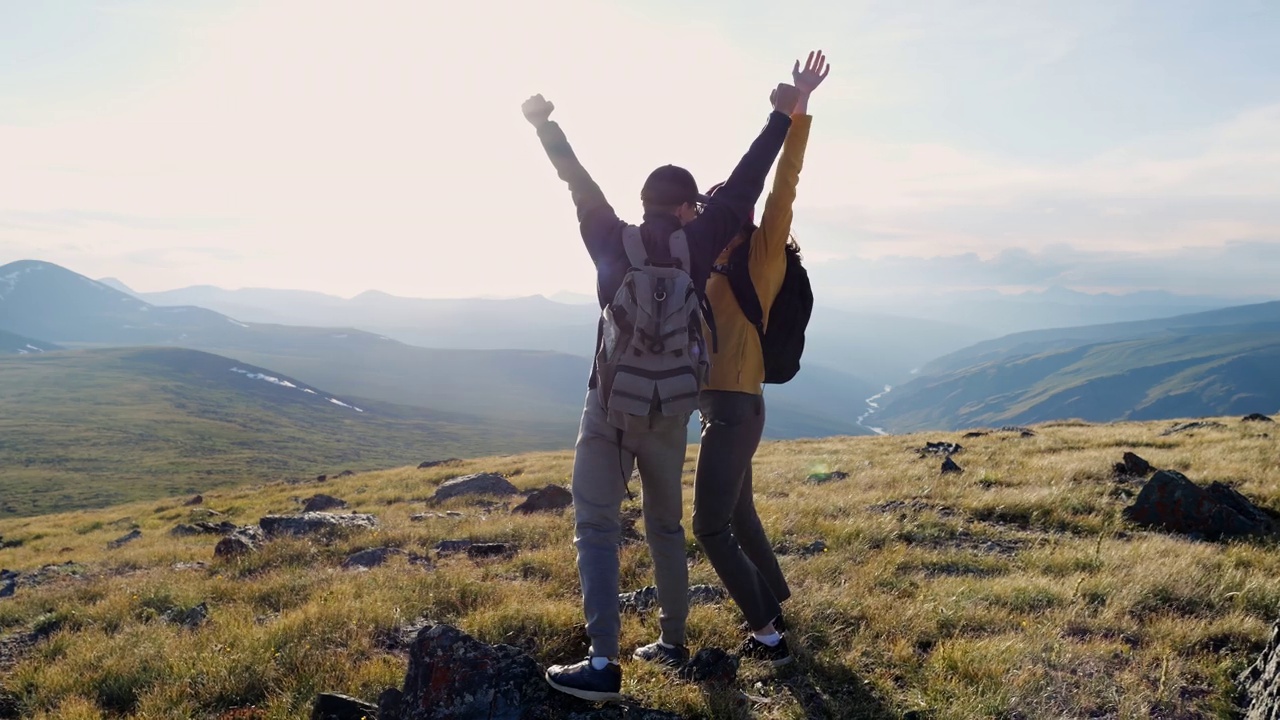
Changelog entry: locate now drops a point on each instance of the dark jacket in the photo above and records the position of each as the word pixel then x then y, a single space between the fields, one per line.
pixel 708 235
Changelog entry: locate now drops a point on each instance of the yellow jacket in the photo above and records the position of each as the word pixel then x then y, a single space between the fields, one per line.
pixel 739 364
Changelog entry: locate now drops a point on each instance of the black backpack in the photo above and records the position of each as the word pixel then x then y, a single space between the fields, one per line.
pixel 789 315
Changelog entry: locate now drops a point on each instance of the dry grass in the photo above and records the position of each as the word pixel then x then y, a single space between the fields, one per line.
pixel 1014 590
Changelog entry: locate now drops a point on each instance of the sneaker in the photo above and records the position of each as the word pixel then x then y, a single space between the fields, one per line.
pixel 778 654
pixel 670 655
pixel 581 680
pixel 779 624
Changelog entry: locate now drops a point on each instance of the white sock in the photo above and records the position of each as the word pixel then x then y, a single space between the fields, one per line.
pixel 665 645
pixel 772 639
pixel 600 662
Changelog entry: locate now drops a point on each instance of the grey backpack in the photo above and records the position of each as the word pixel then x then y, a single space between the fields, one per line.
pixel 653 358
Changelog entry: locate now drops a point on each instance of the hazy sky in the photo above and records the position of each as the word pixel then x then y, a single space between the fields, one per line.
pixel 347 146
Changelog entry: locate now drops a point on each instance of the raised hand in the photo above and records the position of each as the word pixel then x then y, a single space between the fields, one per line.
pixel 784 98
pixel 537 110
pixel 807 80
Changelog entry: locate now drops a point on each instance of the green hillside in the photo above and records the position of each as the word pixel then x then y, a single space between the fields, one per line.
pixel 99 427
pixel 22 345
pixel 1189 375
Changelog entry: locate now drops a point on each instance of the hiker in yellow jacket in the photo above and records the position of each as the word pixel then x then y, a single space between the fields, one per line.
pixel 725 522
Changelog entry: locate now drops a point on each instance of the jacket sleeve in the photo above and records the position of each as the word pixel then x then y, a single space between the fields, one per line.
pixel 769 244
pixel 596 218
pixel 725 214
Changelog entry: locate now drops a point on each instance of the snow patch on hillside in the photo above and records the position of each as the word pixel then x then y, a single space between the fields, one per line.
pixel 9 281
pixel 286 384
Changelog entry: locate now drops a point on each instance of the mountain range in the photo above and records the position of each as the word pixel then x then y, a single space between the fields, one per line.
pixel 1219 362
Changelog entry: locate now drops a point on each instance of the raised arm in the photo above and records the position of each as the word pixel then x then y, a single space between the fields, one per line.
pixel 770 240
pixel 596 218
pixel 731 206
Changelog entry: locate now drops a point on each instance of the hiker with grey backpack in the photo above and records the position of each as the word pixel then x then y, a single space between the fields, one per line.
pixel 761 299
pixel 651 363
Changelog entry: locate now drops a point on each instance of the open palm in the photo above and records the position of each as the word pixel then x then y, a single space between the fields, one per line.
pixel 814 72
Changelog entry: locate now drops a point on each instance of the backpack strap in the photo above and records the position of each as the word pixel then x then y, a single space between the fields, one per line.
pixel 744 290
pixel 633 244
pixel 679 243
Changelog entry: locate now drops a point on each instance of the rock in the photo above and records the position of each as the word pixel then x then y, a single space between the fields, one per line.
pixel 814 548
pixel 488 550
pixel 437 463
pixel 1169 501
pixel 824 477
pixel 10 705
pixel 389 703
pixel 310 523
pixel 711 665
pixel 371 558
pixel 226 527
pixel 949 466
pixel 551 497
pixel 193 618
pixel 449 547
pixel 646 598
pixel 706 595
pixel 332 706
pixel 321 478
pixel 125 539
pixel 1256 417
pixel 234 546
pixel 945 449
pixel 639 601
pixel 1187 426
pixel 1260 683
pixel 974 434
pixel 1024 432
pixel 1133 466
pixel 322 502
pixel 478 484
pixel 630 535
pixel 195 500
pixel 453 676
pixel 197 565
pixel 203 528
pixel 8 587
pixel 345 473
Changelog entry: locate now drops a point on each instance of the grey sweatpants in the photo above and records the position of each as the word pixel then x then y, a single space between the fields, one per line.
pixel 601 467
pixel 724 512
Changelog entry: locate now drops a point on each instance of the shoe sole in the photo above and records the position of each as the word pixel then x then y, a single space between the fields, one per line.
pixel 591 695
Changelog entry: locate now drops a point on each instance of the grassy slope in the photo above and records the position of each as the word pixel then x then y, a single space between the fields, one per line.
pixel 1190 375
pixel 96 428
pixel 1013 590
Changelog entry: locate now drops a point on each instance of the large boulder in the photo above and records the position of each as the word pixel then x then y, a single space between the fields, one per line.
pixel 1260 684
pixel 478 484
pixel 1169 501
pixel 311 523
pixel 453 676
pixel 1257 417
pixel 551 497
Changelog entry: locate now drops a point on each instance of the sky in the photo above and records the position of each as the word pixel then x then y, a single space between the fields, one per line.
pixel 1113 145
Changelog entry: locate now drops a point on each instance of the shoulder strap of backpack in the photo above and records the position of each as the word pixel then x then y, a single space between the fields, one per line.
pixel 744 291
pixel 633 244
pixel 680 250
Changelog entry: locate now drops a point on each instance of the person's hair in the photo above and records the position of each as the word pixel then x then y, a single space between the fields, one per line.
pixel 665 209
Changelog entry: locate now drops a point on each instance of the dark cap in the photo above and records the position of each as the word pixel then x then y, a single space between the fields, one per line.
pixel 670 185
